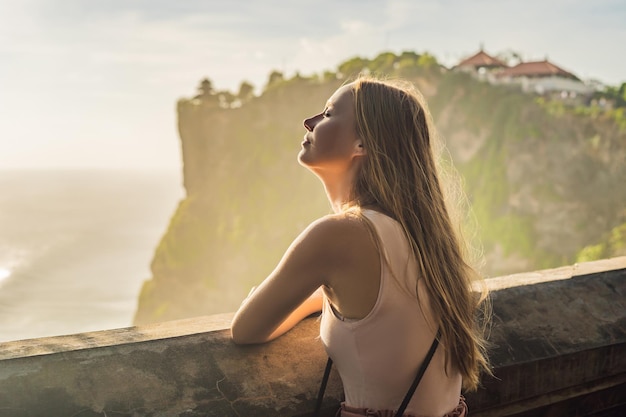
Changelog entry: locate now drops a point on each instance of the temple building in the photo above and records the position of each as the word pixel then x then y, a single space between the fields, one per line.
pixel 545 78
pixel 538 77
pixel 482 65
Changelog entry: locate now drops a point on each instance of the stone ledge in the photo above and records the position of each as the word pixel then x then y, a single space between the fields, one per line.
pixel 559 344
pixel 114 337
pixel 555 274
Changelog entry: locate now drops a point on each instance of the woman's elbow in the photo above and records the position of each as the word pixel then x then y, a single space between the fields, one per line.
pixel 238 338
pixel 241 337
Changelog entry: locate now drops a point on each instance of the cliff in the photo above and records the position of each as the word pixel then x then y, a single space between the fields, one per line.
pixel 543 181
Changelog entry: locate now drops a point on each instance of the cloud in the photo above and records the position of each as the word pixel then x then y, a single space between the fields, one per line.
pixel 119 66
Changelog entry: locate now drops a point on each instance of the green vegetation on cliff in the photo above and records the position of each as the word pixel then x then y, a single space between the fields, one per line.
pixel 613 244
pixel 544 181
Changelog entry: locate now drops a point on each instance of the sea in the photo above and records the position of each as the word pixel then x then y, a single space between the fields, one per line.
pixel 76 246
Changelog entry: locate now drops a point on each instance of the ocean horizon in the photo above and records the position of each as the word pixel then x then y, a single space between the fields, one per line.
pixel 76 246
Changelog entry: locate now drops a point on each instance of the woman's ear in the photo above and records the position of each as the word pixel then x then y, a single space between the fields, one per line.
pixel 359 149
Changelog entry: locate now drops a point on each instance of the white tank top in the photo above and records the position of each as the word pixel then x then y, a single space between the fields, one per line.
pixel 378 356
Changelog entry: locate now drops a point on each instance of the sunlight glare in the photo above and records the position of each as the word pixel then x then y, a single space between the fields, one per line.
pixel 4 274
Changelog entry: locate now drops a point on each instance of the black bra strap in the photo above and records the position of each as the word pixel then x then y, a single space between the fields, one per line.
pixel 320 394
pixel 419 375
pixel 407 397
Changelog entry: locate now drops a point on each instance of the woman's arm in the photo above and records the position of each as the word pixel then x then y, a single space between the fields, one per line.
pixel 311 305
pixel 292 291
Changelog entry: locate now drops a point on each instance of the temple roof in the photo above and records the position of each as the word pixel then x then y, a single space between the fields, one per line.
pixel 536 69
pixel 481 59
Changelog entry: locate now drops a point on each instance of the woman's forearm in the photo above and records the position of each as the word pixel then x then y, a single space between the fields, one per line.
pixel 311 305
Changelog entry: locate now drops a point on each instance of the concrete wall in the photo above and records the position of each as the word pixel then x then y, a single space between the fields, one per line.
pixel 559 349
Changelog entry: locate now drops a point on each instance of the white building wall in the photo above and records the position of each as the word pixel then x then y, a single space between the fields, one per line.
pixel 548 85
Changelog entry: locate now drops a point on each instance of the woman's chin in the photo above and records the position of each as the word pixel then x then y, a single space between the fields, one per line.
pixel 304 161
pixel 302 157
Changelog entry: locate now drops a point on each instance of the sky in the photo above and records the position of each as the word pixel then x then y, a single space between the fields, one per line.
pixel 94 84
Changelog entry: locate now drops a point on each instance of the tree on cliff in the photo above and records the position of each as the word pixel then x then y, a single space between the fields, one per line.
pixel 511 57
pixel 205 89
pixel 383 63
pixel 226 99
pixel 246 92
pixel 617 94
pixel 275 78
pixel 427 61
pixel 353 66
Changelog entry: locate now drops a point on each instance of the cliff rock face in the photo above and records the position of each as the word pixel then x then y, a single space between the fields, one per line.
pixel 247 199
pixel 544 181
pixel 543 184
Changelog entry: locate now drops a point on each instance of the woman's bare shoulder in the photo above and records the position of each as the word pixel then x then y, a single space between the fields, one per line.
pixel 340 237
pixel 353 263
pixel 340 226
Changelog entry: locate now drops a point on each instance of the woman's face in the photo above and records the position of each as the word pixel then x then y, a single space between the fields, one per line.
pixel 331 141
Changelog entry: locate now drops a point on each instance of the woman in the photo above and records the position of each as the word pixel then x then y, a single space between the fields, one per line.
pixel 386 268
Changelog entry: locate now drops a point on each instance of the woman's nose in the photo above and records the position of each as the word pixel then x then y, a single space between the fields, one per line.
pixel 309 124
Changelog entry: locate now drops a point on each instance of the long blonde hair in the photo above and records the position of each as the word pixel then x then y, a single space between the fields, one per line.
pixel 400 176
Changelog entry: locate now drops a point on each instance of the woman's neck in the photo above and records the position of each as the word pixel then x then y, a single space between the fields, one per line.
pixel 338 194
pixel 339 185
